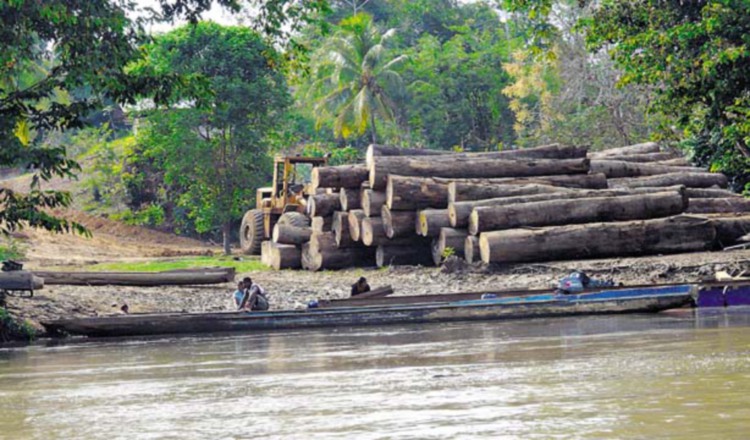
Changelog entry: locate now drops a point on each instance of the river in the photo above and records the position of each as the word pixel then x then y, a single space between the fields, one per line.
pixel 674 375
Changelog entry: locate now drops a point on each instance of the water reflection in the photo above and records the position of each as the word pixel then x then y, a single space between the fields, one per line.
pixel 644 376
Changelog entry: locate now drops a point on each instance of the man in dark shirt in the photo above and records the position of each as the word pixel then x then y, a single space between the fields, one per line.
pixel 360 286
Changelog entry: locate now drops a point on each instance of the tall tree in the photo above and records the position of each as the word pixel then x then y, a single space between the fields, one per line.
pixel 213 156
pixel 356 80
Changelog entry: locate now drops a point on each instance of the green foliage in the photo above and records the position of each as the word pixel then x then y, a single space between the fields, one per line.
pixel 13 329
pixel 180 263
pixel 448 252
pixel 11 250
pixel 336 156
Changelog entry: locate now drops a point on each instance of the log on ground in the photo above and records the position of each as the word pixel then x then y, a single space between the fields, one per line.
pixel 323 205
pixel 718 205
pixel 709 193
pixel 617 169
pixel 598 240
pixel 572 211
pixel 21 280
pixel 690 180
pixel 167 278
pixel 284 256
pixel 429 222
pixel 470 167
pixel 372 202
pixel 355 224
pixel 398 223
pixel 411 255
pixel 341 176
pixel 448 238
pixel 287 234
pixel 729 229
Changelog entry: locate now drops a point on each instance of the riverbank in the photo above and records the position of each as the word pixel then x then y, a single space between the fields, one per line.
pixel 294 289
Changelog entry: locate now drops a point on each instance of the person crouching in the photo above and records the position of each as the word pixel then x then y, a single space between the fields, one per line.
pixel 255 298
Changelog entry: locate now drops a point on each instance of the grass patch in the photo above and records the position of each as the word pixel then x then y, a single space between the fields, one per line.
pixel 244 265
pixel 11 250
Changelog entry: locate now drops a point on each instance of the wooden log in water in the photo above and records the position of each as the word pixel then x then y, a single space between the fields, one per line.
pixel 411 255
pixel 471 249
pixel 350 198
pixel 689 180
pixel 471 167
pixel 718 205
pixel 429 222
pixel 598 240
pixel 288 234
pixel 283 256
pixel 372 202
pixel 323 205
pixel 617 169
pixel 459 212
pixel 643 148
pixel 448 238
pixel 398 223
pixel 572 211
pixel 341 176
pixel 321 224
pixel 144 279
pixel 21 280
pixel 355 224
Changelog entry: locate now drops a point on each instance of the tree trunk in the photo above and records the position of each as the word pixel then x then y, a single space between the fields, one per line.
pixel 690 180
pixel 282 256
pixel 567 211
pixel 407 193
pixel 226 235
pixel 341 232
pixel 372 202
pixel 598 240
pixel 324 240
pixel 644 148
pixel 616 169
pixel 323 205
pixel 287 234
pixel 398 223
pixel 676 162
pixel 644 158
pixel 413 255
pixel 459 212
pixel 429 222
pixel 448 238
pixel 471 249
pixel 710 193
pixel 21 280
pixel 349 198
pixel 459 191
pixel 372 233
pixel 166 278
pixel 355 223
pixel 722 205
pixel 331 257
pixel 321 224
pixel 341 176
pixel 471 167
pixel 729 229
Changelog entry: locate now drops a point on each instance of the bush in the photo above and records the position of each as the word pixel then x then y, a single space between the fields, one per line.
pixel 12 329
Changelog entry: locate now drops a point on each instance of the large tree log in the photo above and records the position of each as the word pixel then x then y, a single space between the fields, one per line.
pixel 429 222
pixel 340 230
pixel 645 157
pixel 617 168
pixel 323 205
pixel 355 224
pixel 710 193
pixel 321 224
pixel 644 148
pixel 398 223
pixel 722 205
pixel 350 198
pixel 471 249
pixel 459 191
pixel 690 180
pixel 341 176
pixel 409 193
pixel 283 256
pixel 372 233
pixel 411 255
pixel 168 278
pixel 265 252
pixel 21 280
pixel 459 212
pixel 552 151
pixel 676 162
pixel 287 234
pixel 448 238
pixel 571 211
pixel 729 229
pixel 471 167
pixel 335 258
pixel 372 202
pixel 598 240
pixel 323 240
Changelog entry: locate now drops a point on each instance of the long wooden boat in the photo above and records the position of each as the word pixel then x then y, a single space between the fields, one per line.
pixel 638 300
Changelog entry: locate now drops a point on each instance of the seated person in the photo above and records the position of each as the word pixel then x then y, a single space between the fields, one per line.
pixel 239 294
pixel 360 286
pixel 255 298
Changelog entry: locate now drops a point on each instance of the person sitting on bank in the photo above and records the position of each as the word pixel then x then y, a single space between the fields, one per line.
pixel 239 294
pixel 360 286
pixel 255 298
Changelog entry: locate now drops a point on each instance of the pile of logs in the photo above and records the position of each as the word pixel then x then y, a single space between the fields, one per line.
pixel 416 207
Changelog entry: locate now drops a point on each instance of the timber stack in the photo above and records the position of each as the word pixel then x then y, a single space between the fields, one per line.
pixel 416 207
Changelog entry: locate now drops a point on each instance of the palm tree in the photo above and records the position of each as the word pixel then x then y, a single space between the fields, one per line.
pixel 356 82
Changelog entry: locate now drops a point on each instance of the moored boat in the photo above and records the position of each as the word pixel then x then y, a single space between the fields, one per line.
pixel 635 300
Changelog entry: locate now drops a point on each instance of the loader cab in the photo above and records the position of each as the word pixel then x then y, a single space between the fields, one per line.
pixel 291 181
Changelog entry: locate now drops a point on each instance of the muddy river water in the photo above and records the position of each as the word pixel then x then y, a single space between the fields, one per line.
pixel 675 375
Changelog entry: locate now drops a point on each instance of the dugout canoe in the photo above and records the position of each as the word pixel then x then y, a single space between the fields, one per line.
pixel 641 300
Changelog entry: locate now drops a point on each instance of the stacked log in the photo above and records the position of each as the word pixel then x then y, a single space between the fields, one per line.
pixel 323 205
pixel 288 234
pixel 471 249
pixel 412 255
pixel 448 238
pixel 349 198
pixel 342 176
pixel 283 256
pixel 397 223
pixel 355 223
pixel 430 221
pixel 372 202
